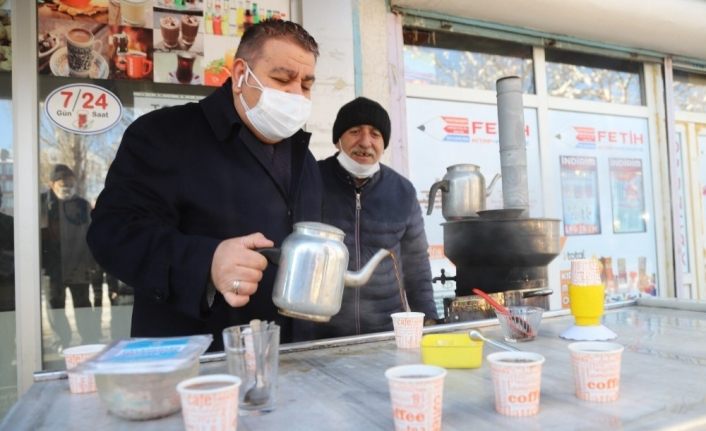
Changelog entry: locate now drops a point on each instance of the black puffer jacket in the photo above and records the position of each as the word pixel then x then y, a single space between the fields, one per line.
pixel 383 213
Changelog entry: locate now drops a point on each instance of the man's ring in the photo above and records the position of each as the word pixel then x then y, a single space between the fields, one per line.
pixel 235 287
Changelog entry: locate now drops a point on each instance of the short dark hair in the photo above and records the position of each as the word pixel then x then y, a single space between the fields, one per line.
pixel 256 36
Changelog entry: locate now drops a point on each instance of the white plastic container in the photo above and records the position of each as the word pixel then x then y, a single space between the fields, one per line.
pixel 137 378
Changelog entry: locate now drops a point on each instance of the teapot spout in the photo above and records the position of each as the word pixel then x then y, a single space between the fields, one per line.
pixel 359 278
pixel 489 189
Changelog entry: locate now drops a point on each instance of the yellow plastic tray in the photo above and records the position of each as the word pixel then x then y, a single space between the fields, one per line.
pixel 452 351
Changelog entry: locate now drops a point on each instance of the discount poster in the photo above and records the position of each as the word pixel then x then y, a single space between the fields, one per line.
pixel 627 195
pixel 579 195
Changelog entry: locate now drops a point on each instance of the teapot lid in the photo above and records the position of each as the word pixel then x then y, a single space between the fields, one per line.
pixel 463 167
pixel 317 228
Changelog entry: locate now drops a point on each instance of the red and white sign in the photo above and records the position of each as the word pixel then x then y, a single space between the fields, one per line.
pixel 84 109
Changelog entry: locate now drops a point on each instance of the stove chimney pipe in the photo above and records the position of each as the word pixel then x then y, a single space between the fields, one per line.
pixel 513 155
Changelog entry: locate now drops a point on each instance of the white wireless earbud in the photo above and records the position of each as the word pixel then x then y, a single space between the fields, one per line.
pixel 240 81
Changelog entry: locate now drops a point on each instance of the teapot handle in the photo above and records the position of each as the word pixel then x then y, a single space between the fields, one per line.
pixel 272 254
pixel 443 185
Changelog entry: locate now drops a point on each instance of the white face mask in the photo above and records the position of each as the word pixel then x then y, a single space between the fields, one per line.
pixel 65 192
pixel 356 169
pixel 277 115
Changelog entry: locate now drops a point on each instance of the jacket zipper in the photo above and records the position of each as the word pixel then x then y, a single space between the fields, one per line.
pixel 357 259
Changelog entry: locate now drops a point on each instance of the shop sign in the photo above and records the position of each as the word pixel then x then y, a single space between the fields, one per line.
pixel 84 109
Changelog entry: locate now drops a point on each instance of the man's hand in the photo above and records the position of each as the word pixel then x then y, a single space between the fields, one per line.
pixel 236 268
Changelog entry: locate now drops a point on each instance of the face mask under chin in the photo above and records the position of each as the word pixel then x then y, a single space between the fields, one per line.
pixel 356 169
pixel 277 115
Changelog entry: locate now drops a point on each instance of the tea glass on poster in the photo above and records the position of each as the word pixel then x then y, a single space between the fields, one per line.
pixel 517 379
pixel 138 65
pixel 416 393
pixel 210 403
pixel 253 355
pixel 80 47
pixel 185 67
pixel 596 366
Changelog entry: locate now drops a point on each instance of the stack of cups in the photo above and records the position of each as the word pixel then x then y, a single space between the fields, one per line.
pixel 408 329
pixel 517 380
pixel 416 392
pixel 81 383
pixel 596 370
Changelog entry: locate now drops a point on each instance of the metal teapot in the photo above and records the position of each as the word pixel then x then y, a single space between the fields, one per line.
pixel 463 192
pixel 312 272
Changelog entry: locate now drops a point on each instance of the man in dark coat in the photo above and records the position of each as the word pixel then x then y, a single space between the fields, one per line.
pixel 376 208
pixel 195 189
pixel 66 258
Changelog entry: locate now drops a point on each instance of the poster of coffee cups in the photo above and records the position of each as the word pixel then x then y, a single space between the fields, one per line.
pixel 130 52
pixel 218 58
pixel 5 39
pixel 178 32
pixel 178 67
pixel 73 48
pixel 75 10
pixel 189 42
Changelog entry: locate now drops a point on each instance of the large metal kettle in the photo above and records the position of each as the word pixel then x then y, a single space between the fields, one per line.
pixel 463 192
pixel 313 263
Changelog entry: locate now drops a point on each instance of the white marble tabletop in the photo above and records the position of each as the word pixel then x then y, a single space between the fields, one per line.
pixel 343 387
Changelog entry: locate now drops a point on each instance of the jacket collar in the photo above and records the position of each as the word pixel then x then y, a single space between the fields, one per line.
pixel 220 111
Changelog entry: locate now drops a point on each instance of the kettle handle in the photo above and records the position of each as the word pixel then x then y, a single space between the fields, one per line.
pixel 442 185
pixel 272 254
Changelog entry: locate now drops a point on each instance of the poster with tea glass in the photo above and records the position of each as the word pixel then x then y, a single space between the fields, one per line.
pixel 627 195
pixel 579 195
pixel 179 67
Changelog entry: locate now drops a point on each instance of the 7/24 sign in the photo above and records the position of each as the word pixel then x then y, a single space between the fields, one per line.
pixel 84 109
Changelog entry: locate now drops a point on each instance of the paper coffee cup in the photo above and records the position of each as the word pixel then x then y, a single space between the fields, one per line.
pixel 408 329
pixel 416 392
pixel 210 403
pixel 596 367
pixel 517 380
pixel 81 383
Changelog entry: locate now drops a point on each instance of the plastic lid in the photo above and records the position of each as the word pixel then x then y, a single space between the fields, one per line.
pixel 147 355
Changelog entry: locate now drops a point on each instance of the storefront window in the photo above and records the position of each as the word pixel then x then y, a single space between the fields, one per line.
pixel 689 91
pixel 96 75
pixel 457 60
pixel 589 77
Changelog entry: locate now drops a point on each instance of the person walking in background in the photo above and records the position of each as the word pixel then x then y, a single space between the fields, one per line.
pixel 194 189
pixel 376 208
pixel 66 259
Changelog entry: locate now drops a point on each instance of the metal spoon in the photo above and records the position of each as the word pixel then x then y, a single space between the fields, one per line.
pixel 477 336
pixel 258 393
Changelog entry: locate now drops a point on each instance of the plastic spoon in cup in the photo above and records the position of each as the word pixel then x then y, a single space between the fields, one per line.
pixel 258 393
pixel 518 322
pixel 477 336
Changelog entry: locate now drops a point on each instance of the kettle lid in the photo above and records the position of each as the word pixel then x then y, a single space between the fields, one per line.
pixel 321 229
